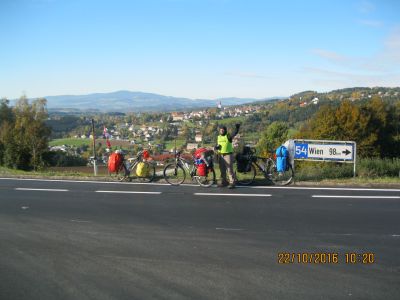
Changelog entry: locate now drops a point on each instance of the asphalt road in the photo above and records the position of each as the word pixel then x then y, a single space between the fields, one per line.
pixel 79 240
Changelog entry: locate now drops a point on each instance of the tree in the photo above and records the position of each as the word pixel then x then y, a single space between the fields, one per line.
pixel 370 125
pixel 30 135
pixel 272 137
pixel 6 124
pixel 323 125
pixel 6 114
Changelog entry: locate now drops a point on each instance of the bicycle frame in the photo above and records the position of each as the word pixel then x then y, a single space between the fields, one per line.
pixel 190 168
pixel 264 166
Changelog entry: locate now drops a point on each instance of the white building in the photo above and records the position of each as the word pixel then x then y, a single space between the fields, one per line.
pixel 198 138
pixel 191 146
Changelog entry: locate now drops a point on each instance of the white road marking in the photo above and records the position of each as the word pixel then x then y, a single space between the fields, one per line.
pixel 24 207
pixel 128 192
pixel 229 229
pixel 80 221
pixel 89 181
pixel 356 197
pixel 95 181
pixel 324 188
pixel 46 190
pixel 241 195
pixel 395 235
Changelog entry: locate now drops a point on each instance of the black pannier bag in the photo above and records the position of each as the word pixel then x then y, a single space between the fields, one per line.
pixel 247 150
pixel 209 158
pixel 243 163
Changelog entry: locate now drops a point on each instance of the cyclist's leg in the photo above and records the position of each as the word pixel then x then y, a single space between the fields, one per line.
pixel 222 168
pixel 125 169
pixel 229 166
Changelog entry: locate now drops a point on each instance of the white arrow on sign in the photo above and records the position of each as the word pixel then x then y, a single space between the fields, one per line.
pixel 326 151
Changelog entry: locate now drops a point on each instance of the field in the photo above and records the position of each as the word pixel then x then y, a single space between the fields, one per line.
pixel 171 144
pixel 82 142
pixel 70 142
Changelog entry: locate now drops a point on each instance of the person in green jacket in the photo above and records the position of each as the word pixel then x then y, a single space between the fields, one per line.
pixel 225 156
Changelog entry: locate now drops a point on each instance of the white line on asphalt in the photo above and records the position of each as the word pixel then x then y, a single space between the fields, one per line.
pixel 395 235
pixel 128 192
pixel 324 188
pixel 223 194
pixel 46 190
pixel 80 221
pixel 229 229
pixel 95 181
pixel 356 197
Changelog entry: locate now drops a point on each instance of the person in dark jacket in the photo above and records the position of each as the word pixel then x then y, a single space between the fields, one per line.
pixel 225 155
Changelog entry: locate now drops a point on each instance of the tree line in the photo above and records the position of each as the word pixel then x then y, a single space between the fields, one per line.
pixel 373 125
pixel 24 136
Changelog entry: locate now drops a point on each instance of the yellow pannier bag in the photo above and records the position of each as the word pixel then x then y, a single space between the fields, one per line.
pixel 142 170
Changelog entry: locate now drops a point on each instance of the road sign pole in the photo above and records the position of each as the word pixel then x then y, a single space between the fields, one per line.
pixel 355 155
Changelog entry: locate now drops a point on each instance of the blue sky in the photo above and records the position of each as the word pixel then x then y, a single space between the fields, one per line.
pixel 197 48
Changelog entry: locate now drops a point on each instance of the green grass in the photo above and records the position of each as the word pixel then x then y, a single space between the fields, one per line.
pixel 71 142
pixel 171 144
pixel 45 173
pixel 88 142
pixel 367 168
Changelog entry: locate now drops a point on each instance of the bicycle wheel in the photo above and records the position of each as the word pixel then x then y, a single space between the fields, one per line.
pixel 174 174
pixel 280 178
pixel 207 180
pixel 146 176
pixel 246 178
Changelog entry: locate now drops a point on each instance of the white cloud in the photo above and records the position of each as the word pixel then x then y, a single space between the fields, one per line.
pixel 330 55
pixel 379 69
pixel 385 60
pixel 328 79
pixel 371 23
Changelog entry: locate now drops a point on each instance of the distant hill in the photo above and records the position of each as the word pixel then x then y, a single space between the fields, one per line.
pixel 353 94
pixel 127 101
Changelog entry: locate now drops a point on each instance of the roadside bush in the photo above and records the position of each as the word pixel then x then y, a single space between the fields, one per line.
pixel 375 167
pixel 62 159
pixel 322 170
pixel 366 168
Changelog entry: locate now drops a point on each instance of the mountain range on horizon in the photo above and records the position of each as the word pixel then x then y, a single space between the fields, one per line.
pixel 127 101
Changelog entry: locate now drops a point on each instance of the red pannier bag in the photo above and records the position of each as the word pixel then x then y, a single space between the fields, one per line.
pixel 115 162
pixel 202 169
pixel 200 163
